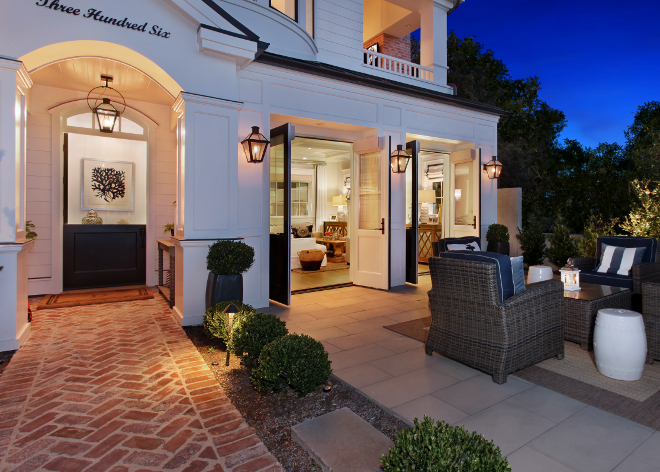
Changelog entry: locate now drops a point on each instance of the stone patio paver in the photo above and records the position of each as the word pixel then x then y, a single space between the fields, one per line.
pixel 119 387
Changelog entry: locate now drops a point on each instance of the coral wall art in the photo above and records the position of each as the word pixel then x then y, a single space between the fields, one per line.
pixel 107 185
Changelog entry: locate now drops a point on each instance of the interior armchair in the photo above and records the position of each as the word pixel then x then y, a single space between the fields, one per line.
pixel 648 270
pixel 473 323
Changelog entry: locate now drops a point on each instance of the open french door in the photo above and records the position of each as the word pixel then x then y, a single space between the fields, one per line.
pixel 280 213
pixel 412 196
pixel 464 194
pixel 370 213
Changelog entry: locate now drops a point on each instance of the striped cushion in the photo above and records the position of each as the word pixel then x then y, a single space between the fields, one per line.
pixel 619 260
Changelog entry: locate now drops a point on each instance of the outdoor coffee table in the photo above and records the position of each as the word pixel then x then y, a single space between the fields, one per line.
pixel 581 308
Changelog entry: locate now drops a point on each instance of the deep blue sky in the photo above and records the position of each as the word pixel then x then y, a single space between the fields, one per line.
pixel 597 60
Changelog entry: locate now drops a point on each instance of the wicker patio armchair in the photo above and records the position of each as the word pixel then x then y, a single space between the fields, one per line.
pixel 647 271
pixel 651 314
pixel 470 325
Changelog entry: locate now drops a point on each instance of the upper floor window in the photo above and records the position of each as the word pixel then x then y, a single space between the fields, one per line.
pixel 288 7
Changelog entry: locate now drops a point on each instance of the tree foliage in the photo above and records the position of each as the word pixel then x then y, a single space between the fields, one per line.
pixel 562 244
pixel 643 141
pixel 644 216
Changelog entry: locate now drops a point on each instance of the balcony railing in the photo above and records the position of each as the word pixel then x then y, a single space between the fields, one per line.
pixel 397 66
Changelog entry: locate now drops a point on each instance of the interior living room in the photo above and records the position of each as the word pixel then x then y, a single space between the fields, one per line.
pixel 320 198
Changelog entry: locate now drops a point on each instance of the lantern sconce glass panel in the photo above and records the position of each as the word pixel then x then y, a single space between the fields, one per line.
pixel 107 104
pixel 493 168
pixel 255 145
pixel 399 160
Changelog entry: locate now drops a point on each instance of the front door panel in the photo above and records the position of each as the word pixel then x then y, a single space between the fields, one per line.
pixel 412 231
pixel 280 213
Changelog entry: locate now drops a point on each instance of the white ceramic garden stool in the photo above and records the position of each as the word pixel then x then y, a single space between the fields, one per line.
pixel 620 344
pixel 538 273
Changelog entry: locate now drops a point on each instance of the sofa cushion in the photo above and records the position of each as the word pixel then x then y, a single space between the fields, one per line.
pixel 619 260
pixel 302 231
pixel 502 263
pixel 615 280
pixel 651 245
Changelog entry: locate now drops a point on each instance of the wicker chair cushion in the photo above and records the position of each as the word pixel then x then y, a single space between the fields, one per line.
pixel 614 280
pixel 619 260
pixel 518 272
pixel 651 245
pixel 441 246
pixel 505 287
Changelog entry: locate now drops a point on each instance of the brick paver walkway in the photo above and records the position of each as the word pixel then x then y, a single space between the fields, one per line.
pixel 120 388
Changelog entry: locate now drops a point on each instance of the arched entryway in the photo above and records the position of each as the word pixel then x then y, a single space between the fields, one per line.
pixel 64 146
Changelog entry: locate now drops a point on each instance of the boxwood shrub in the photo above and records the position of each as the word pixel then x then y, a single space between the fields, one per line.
pixel 251 333
pixel 497 233
pixel 295 361
pixel 441 447
pixel 216 323
pixel 228 257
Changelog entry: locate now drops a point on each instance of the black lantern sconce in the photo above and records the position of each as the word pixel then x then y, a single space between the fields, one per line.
pixel 255 145
pixel 493 168
pixel 399 160
pixel 105 102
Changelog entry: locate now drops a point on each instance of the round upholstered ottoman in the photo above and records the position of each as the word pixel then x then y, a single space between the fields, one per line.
pixel 620 344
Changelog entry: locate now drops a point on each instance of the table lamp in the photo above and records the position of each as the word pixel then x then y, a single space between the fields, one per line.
pixel 425 197
pixel 339 201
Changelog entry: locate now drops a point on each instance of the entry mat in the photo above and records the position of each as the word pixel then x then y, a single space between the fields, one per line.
pixel 576 376
pixel 67 299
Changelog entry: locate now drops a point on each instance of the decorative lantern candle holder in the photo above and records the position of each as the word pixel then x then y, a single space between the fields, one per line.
pixel 570 277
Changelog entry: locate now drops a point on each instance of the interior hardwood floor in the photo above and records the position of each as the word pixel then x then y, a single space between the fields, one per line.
pixel 318 279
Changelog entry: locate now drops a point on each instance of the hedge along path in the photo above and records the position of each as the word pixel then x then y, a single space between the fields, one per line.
pixel 119 387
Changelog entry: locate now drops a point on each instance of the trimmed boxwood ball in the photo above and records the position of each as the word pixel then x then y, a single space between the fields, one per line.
pixel 229 257
pixel 441 447
pixel 295 361
pixel 216 323
pixel 251 333
pixel 497 233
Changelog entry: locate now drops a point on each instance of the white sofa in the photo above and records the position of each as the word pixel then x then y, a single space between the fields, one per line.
pixel 304 244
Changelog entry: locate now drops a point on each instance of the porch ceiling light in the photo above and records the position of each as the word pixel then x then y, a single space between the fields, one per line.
pixel 399 160
pixel 493 168
pixel 107 104
pixel 255 145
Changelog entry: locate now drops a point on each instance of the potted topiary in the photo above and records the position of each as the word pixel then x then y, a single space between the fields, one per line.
pixel 169 227
pixel 227 260
pixel 498 239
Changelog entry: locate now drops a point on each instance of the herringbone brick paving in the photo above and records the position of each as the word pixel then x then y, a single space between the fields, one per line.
pixel 120 388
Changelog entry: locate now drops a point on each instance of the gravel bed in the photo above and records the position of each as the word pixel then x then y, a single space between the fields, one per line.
pixel 272 416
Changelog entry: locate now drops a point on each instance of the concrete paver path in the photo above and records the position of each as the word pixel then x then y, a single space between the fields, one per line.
pixel 119 387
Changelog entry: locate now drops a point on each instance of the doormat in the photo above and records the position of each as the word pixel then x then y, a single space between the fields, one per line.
pixel 576 376
pixel 330 266
pixel 68 299
pixel 416 329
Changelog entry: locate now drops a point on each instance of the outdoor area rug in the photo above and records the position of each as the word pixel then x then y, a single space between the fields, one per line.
pixel 416 329
pixel 67 299
pixel 576 376
pixel 330 266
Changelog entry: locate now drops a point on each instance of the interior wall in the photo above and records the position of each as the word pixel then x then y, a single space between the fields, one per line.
pixel 44 192
pixel 108 149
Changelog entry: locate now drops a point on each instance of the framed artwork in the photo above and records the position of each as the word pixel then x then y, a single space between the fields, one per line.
pixel 333 218
pixel 107 185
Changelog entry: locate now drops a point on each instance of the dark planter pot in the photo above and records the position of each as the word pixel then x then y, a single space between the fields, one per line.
pixel 499 248
pixel 172 232
pixel 223 288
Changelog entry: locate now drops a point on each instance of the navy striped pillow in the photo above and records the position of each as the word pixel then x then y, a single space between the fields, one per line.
pixel 619 260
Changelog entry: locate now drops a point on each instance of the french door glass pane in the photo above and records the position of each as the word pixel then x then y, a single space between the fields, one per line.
pixel 463 185
pixel 277 188
pixel 369 191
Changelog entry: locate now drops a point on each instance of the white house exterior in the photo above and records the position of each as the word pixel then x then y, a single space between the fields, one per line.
pixel 196 76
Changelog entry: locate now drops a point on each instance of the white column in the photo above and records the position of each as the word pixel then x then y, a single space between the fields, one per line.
pixel 433 38
pixel 207 193
pixel 15 84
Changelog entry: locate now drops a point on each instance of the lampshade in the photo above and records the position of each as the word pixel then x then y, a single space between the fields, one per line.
pixel 426 196
pixel 339 200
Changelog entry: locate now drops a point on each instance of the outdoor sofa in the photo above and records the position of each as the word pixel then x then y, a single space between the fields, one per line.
pixel 646 270
pixel 476 318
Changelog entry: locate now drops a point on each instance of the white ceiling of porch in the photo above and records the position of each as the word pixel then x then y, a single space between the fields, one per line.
pixel 84 73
